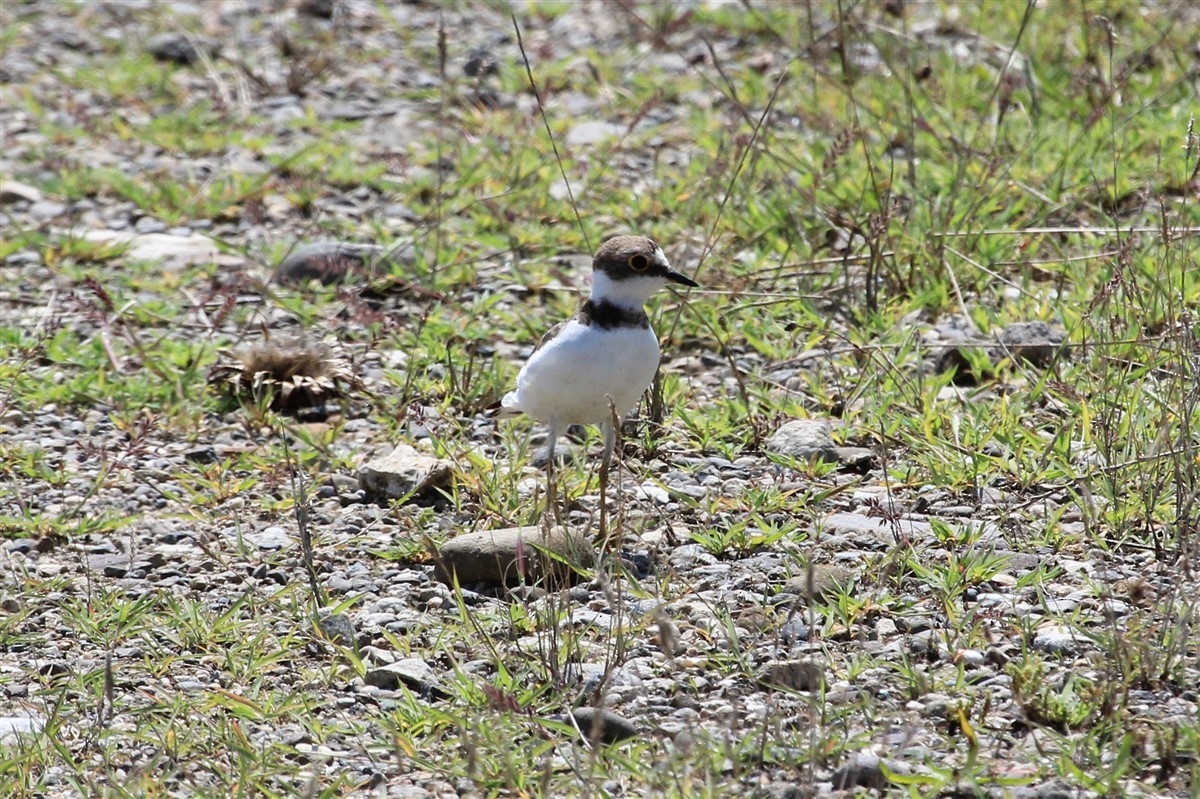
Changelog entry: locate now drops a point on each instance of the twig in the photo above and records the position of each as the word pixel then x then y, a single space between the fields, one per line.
pixel 300 507
pixel 1100 231
pixel 549 133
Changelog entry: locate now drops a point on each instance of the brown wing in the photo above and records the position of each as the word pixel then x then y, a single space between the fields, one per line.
pixel 550 334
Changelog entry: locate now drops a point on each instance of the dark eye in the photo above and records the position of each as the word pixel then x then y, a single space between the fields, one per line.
pixel 639 262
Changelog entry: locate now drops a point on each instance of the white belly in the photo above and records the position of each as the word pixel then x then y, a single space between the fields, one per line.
pixel 567 380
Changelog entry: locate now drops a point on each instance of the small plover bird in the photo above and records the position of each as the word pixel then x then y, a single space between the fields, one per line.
pixel 604 357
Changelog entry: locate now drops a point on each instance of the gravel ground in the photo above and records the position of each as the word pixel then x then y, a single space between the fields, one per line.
pixel 721 645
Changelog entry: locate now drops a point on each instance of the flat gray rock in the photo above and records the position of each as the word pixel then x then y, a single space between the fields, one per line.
pixel 882 531
pixel 510 555
pixel 413 673
pixel 403 473
pixel 190 249
pixel 593 132
pixel 11 726
pixel 272 538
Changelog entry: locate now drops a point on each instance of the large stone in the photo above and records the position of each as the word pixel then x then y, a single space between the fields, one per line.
pixel 511 555
pixel 404 473
pixel 863 770
pixel 792 675
pixel 413 673
pixel 335 262
pixel 821 580
pixel 1036 343
pixel 602 726
pixel 974 357
pixel 179 48
pixel 812 439
pixel 12 191
pixel 1057 639
pixel 803 439
pixel 337 627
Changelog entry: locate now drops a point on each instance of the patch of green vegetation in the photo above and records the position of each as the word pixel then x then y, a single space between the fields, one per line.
pixel 839 179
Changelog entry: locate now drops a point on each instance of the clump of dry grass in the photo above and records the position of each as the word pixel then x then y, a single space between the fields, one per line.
pixel 288 376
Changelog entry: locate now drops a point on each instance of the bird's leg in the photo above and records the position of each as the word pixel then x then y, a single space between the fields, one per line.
pixel 551 483
pixel 610 429
pixel 606 427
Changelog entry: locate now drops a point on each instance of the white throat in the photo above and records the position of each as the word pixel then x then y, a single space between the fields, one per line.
pixel 630 293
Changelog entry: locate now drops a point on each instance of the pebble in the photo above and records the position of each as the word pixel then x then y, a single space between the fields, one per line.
pixel 592 132
pixel 338 628
pixel 272 538
pixel 45 210
pixel 1057 640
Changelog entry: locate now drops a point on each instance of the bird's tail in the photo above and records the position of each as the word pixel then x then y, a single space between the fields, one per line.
pixel 506 408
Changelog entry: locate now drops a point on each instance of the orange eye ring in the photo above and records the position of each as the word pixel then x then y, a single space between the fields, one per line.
pixel 639 262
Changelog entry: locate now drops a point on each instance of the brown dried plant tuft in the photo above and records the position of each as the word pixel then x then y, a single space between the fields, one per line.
pixel 290 375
